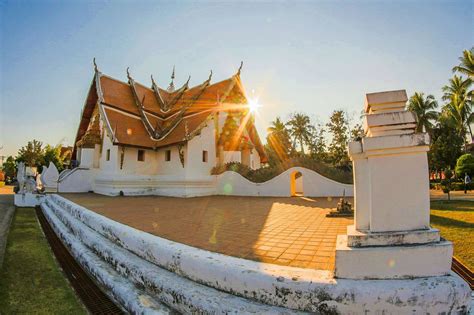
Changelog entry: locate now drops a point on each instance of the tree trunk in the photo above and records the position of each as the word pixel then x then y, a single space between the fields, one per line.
pixel 302 147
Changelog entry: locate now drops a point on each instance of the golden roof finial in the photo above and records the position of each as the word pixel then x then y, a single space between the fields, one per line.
pixel 171 86
pixel 128 73
pixel 96 69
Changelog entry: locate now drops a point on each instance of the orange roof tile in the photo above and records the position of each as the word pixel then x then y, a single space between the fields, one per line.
pixel 189 111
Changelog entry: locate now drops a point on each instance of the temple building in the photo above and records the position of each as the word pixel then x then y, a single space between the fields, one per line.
pixel 137 139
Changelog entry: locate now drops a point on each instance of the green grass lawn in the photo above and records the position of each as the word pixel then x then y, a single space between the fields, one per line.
pixel 455 220
pixel 30 280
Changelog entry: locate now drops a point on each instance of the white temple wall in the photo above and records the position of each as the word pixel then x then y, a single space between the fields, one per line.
pixel 172 167
pixel 111 165
pixel 87 157
pixel 96 162
pixel 131 164
pixel 196 168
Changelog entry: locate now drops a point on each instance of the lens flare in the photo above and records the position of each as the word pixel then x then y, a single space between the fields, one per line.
pixel 254 105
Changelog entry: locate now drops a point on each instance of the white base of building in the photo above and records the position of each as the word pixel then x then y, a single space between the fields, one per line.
pixel 191 280
pixel 28 200
pixel 141 187
pixel 392 262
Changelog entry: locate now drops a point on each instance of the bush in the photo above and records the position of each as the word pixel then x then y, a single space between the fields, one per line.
pixel 266 173
pixel 460 186
pixel 465 165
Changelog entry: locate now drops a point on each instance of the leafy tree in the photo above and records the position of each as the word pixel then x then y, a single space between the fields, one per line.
pixel 300 129
pixel 317 144
pixel 466 65
pixel 423 108
pixel 9 167
pixel 31 154
pixel 338 126
pixel 53 154
pixel 446 147
pixel 357 132
pixel 465 165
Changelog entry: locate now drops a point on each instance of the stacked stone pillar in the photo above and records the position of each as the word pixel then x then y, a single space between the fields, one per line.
pixel 391 237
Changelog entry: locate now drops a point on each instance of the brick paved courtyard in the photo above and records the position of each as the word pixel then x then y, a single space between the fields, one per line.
pixel 283 231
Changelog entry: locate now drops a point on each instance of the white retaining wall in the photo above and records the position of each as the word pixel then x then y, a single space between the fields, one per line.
pixel 314 185
pixel 227 183
pixel 186 278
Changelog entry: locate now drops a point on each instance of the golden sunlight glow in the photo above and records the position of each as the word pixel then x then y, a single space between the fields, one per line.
pixel 254 105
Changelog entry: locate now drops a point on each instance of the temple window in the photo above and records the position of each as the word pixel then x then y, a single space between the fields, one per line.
pixel 107 155
pixel 141 155
pixel 168 155
pixel 204 156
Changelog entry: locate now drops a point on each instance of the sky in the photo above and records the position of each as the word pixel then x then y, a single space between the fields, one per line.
pixel 312 57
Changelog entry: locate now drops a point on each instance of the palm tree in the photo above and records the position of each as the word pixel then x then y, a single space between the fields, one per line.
pixel 458 110
pixel 457 86
pixel 458 113
pixel 279 139
pixel 466 65
pixel 277 126
pixel 300 129
pixel 423 108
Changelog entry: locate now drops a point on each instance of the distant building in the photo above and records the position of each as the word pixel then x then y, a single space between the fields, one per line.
pixel 136 138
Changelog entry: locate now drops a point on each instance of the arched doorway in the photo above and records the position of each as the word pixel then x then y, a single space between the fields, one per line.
pixel 296 184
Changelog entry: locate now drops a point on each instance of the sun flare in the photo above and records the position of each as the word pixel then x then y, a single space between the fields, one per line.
pixel 254 105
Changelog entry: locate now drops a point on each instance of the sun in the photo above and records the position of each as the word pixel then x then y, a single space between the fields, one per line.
pixel 254 105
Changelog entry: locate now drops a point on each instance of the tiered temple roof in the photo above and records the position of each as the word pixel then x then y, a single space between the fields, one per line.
pixel 152 117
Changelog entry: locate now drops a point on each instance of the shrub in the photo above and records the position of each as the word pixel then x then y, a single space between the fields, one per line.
pixel 465 164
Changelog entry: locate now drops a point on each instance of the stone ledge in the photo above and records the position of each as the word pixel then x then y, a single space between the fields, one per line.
pixel 360 239
pixel 385 143
pixel 388 119
pixel 392 262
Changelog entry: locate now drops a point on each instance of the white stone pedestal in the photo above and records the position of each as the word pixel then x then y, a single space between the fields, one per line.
pixel 391 237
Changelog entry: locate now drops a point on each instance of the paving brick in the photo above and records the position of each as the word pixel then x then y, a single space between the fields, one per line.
pixel 284 231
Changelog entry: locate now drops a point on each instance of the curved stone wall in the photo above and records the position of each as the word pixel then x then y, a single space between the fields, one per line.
pixel 193 280
pixel 314 185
